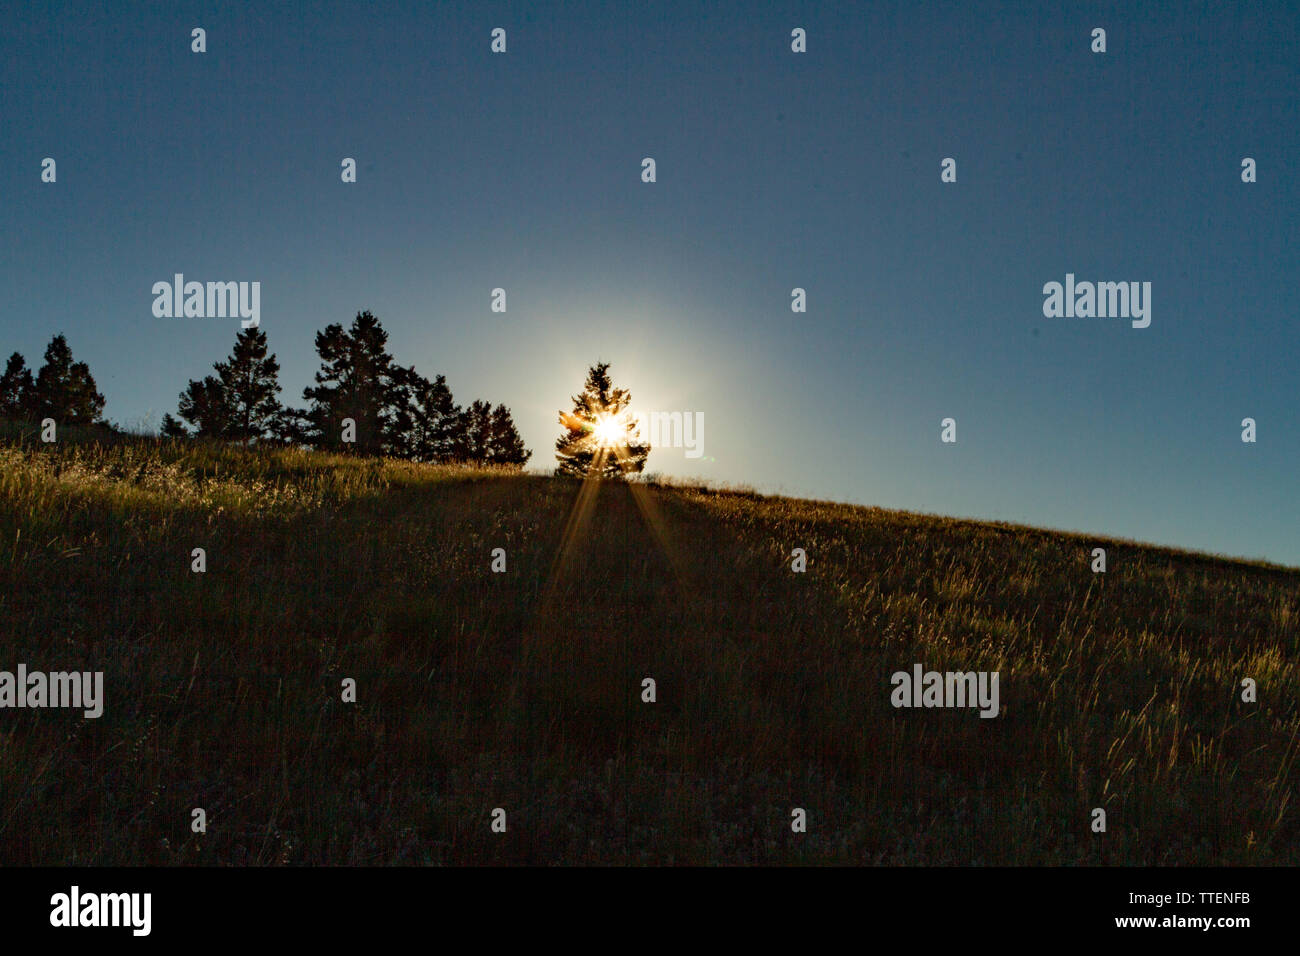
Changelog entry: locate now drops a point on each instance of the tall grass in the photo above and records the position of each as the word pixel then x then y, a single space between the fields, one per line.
pixel 522 690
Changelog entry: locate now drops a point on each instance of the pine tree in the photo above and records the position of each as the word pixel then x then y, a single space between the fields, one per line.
pixel 172 428
pixel 428 421
pixel 357 380
pixel 600 439
pixel 507 445
pixel 203 405
pixel 475 434
pixel 17 388
pixel 238 403
pixel 487 435
pixel 292 427
pixel 249 384
pixel 64 389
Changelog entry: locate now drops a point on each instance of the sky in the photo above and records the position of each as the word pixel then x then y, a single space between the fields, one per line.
pixel 775 170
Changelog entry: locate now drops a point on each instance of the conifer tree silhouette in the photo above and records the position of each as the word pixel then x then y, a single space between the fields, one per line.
pixel 239 402
pixel 357 380
pixel 249 383
pixel 600 438
pixel 17 389
pixel 428 422
pixel 64 389
pixel 203 405
pixel 507 445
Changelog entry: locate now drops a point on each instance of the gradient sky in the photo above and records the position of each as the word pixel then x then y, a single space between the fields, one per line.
pixel 775 170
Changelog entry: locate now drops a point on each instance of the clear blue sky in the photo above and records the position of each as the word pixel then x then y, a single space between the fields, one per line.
pixel 775 170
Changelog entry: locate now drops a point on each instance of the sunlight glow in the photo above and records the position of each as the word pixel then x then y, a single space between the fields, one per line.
pixel 608 431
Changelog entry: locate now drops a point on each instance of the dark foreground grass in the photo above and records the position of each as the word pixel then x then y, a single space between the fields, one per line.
pixel 522 690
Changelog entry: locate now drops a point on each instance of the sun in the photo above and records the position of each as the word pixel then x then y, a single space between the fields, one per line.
pixel 608 431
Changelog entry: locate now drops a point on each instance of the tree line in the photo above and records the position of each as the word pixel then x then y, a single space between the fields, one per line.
pixel 362 401
pixel 63 390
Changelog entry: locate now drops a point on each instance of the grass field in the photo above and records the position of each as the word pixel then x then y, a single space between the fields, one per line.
pixel 522 690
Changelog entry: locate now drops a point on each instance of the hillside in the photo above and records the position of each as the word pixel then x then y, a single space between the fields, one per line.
pixel 523 690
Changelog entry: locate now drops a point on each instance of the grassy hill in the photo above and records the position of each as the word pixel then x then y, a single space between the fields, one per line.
pixel 522 690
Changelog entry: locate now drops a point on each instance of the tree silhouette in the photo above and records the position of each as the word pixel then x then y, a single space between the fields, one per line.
pixel 431 427
pixel 357 380
pixel 249 384
pixel 488 436
pixel 239 402
pixel 507 444
pixel 203 405
pixel 172 427
pixel 395 410
pixel 428 421
pixel 64 389
pixel 17 388
pixel 476 432
pixel 599 439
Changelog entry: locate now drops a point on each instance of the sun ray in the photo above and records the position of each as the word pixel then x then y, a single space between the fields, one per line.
pixel 653 520
pixel 574 526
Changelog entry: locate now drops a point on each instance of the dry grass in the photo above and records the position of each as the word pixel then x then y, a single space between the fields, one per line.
pixel 522 690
